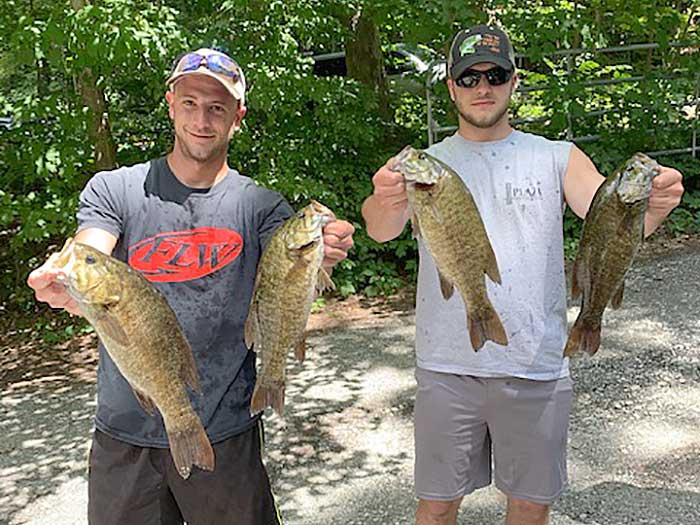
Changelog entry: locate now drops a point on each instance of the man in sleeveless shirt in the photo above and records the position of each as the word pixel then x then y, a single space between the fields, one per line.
pixel 196 228
pixel 510 402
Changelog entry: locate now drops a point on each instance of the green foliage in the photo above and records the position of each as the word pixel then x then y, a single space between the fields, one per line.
pixel 311 137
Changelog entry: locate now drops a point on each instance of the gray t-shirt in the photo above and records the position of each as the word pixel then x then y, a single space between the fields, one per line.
pixel 200 248
pixel 517 184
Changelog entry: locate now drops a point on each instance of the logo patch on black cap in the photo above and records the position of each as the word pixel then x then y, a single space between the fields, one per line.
pixel 468 47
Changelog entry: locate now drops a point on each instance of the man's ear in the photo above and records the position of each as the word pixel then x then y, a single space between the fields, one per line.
pixel 516 81
pixel 170 98
pixel 451 89
pixel 240 113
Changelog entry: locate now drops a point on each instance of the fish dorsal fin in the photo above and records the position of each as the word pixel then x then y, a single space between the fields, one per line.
pixel 446 286
pixel 617 298
pixel 145 401
pixel 324 281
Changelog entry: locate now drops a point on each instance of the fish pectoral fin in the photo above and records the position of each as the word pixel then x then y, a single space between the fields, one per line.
pixel 145 401
pixel 617 298
pixel 300 349
pixel 107 324
pixel 436 213
pixel 446 286
pixel 324 281
pixel 415 226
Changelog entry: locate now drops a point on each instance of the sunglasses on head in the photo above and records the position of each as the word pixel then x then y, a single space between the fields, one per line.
pixel 215 63
pixel 496 76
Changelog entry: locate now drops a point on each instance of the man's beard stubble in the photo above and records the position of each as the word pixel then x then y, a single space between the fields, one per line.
pixel 202 155
pixel 483 123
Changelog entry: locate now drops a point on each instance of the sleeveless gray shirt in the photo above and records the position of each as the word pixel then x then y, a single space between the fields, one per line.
pixel 517 184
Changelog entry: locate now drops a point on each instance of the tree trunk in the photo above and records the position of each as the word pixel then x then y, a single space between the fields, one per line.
pixel 43 78
pixel 99 130
pixel 363 56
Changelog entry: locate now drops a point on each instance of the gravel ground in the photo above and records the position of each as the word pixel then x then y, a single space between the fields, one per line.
pixel 344 452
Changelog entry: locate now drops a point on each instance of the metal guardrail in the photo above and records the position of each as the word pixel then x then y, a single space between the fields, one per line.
pixel 435 129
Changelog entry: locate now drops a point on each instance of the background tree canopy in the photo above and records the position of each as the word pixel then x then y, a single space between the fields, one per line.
pixel 83 81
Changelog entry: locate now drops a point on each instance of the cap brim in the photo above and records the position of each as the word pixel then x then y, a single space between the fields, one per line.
pixel 236 89
pixel 478 58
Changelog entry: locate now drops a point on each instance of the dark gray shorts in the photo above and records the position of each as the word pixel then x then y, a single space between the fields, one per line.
pixel 459 419
pixel 130 485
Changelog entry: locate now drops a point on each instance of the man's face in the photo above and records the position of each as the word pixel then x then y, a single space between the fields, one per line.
pixel 205 116
pixel 484 105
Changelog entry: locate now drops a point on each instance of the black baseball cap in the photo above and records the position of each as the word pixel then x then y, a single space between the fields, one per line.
pixel 482 43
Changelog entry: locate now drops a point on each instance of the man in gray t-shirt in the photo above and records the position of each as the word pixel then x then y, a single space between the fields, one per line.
pixel 196 229
pixel 513 399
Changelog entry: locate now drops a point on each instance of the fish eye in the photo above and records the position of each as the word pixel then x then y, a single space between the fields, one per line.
pixel 421 156
pixel 89 259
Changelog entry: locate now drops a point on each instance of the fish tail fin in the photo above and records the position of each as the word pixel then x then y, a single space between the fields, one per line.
pixel 486 327
pixel 584 337
pixel 190 446
pixel 267 395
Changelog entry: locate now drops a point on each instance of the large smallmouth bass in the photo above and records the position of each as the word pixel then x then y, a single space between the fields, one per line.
pixel 288 279
pixel 445 215
pixel 142 335
pixel 612 233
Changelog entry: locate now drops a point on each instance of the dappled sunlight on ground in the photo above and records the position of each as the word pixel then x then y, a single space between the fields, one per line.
pixel 46 413
pixel 343 452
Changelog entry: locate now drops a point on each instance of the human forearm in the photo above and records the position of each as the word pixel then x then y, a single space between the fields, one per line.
pixel 652 221
pixel 384 221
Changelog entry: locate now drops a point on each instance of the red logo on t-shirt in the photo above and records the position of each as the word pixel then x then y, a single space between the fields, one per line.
pixel 185 255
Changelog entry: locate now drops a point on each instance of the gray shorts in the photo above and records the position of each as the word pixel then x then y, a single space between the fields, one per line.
pixel 459 419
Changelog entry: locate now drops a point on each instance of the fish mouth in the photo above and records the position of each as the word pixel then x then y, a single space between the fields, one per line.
pixel 636 182
pixel 419 169
pixel 326 215
pixel 64 264
pixel 643 163
pixel 65 260
pixel 404 164
pixel 400 159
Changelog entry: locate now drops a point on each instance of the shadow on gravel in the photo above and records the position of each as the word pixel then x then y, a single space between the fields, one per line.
pixel 613 503
pixel 333 401
pixel 46 412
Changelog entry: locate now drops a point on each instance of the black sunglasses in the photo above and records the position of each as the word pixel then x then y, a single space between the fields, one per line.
pixel 496 76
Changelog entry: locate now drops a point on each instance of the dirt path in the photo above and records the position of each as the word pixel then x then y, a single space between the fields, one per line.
pixel 344 453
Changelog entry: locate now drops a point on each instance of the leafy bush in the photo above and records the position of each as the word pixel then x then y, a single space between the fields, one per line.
pixel 310 137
